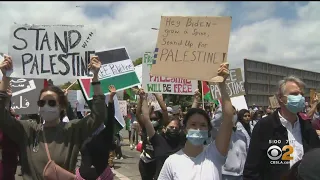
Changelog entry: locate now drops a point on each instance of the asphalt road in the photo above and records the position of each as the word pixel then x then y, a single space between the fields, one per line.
pixel 125 169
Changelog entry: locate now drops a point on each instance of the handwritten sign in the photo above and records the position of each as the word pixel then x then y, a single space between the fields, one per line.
pixel 164 85
pixel 117 69
pixel 274 102
pixel 235 85
pixel 191 47
pixel 25 94
pixel 43 51
pixel 123 107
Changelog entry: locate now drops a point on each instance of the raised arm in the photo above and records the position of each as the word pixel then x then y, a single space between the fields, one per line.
pixel 8 124
pixel 98 111
pixel 196 99
pixel 313 109
pixel 145 120
pixel 225 131
pixel 163 106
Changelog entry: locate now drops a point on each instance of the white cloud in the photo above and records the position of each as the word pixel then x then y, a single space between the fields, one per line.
pixel 266 38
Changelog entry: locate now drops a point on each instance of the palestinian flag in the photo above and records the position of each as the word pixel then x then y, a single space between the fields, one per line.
pixel 131 94
pixel 116 69
pixel 207 93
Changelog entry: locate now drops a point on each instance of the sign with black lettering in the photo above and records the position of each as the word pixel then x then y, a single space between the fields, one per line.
pixel 117 69
pixel 235 85
pixel 43 51
pixel 25 94
pixel 191 47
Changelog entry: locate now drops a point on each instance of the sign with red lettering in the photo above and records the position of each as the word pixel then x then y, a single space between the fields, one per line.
pixel 164 85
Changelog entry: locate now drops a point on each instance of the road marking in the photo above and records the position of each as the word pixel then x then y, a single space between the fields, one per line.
pixel 120 176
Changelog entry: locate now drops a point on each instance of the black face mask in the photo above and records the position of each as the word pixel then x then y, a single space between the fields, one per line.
pixel 172 134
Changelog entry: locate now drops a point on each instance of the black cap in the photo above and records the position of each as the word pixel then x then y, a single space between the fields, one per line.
pixel 309 166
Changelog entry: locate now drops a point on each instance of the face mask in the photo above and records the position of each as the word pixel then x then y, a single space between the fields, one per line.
pixel 295 103
pixel 155 123
pixel 49 113
pixel 197 137
pixel 234 119
pixel 172 133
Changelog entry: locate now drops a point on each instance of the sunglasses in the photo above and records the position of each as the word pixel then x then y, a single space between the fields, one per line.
pixel 51 103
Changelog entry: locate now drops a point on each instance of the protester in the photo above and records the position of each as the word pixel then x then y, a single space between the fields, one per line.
pixel 239 145
pixel 52 138
pixel 94 151
pixel 118 150
pixel 286 127
pixel 195 161
pixel 267 112
pixel 148 163
pixel 244 118
pixel 164 144
pixel 314 114
pixel 134 129
pixel 9 150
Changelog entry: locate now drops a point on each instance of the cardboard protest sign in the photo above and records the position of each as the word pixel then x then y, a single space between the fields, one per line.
pixel 25 95
pixel 164 85
pixel 123 107
pixel 44 51
pixel 117 69
pixel 235 85
pixel 191 47
pixel 274 102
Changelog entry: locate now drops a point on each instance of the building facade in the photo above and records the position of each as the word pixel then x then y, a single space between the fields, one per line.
pixel 261 80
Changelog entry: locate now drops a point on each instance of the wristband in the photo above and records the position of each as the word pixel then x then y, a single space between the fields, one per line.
pixel 95 83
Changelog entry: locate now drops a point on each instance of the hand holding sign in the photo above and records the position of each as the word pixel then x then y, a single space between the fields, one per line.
pixel 94 65
pixel 223 72
pixel 6 65
pixel 112 90
pixel 197 95
pixel 142 94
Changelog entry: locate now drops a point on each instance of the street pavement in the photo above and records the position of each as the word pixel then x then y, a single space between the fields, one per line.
pixel 125 169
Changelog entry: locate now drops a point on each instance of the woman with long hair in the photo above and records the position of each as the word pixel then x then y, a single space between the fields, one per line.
pixel 167 142
pixel 49 150
pixel 244 118
pixel 195 160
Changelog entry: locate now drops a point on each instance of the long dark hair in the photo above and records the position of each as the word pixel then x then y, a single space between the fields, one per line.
pixel 62 99
pixel 244 124
pixel 193 111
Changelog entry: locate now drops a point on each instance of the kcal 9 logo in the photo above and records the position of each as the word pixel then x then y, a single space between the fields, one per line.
pixel 275 153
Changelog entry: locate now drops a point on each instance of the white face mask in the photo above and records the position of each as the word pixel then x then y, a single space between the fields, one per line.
pixel 49 113
pixel 235 118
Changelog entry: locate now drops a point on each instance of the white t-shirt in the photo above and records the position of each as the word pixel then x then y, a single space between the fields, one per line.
pixel 206 166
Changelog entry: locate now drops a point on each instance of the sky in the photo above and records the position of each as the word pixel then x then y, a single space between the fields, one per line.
pixel 284 33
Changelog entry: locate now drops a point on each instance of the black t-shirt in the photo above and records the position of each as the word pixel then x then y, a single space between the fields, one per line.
pixel 163 148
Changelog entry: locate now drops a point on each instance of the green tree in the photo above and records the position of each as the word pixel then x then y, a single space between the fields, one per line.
pixel 137 61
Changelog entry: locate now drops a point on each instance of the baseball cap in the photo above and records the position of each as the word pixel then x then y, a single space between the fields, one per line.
pixel 309 166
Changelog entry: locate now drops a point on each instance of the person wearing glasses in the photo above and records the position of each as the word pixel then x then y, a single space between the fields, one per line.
pixel 50 149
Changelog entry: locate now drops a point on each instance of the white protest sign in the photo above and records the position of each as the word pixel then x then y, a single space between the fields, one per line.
pixel 117 112
pixel 82 104
pixel 43 51
pixel 138 70
pixel 123 107
pixel 164 85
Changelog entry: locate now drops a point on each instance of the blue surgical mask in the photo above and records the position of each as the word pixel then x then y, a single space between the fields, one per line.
pixel 295 103
pixel 197 137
